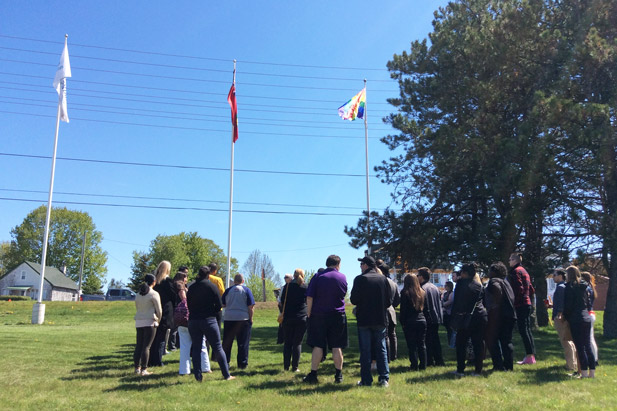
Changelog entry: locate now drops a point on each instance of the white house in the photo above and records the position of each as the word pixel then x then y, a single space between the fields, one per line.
pixel 25 280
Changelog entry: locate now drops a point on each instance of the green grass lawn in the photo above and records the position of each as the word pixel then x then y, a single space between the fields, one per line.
pixel 81 358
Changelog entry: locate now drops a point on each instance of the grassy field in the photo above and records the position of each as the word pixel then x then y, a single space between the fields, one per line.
pixel 81 358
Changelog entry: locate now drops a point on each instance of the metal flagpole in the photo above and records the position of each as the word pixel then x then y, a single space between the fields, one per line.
pixel 81 267
pixel 38 310
pixel 368 201
pixel 231 194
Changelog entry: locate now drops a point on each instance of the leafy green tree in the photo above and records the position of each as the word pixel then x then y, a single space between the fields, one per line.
pixel 64 245
pixel 4 250
pixel 187 249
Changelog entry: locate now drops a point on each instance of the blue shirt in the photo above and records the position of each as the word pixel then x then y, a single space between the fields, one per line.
pixel 559 299
pixel 237 300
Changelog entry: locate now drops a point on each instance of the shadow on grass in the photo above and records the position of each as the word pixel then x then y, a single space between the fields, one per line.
pixel 142 385
pixel 544 375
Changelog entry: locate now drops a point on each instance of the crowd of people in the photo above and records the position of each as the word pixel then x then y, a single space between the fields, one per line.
pixel 477 316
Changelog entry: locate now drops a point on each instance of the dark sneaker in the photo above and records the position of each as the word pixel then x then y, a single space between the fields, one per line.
pixel 361 384
pixel 338 377
pixel 311 378
pixel 384 383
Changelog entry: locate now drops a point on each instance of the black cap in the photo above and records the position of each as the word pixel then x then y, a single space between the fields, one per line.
pixel 370 261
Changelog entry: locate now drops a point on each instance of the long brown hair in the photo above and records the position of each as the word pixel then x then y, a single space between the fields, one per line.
pixel 590 280
pixel 413 291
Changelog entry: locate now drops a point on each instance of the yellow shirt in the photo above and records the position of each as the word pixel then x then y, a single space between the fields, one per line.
pixel 218 282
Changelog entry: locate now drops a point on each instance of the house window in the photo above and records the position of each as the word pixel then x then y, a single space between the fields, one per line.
pixel 435 278
pixel 23 275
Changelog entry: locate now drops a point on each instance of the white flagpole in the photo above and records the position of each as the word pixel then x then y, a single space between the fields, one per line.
pixel 368 201
pixel 231 194
pixel 38 310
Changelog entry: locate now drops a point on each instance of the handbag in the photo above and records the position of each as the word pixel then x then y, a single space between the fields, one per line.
pixel 461 321
pixel 181 314
pixel 282 313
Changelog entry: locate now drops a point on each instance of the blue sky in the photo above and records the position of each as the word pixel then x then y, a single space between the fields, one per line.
pixel 149 85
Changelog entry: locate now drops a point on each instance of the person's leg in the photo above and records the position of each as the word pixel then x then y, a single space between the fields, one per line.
pixel 378 340
pixel 196 331
pixel 505 343
pixel 393 340
pixel 316 357
pixel 337 358
pixel 185 348
pixel 594 346
pixel 139 338
pixel 524 328
pixel 205 360
pixel 298 334
pixel 244 340
pixel 565 338
pixel 287 345
pixel 462 336
pixel 430 343
pixel 211 330
pixel 477 340
pixel 411 341
pixel 156 358
pixel 579 342
pixel 149 333
pixel 586 341
pixel 364 344
pixel 420 337
pixel 230 331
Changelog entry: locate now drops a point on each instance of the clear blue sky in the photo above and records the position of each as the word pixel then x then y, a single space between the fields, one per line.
pixel 149 85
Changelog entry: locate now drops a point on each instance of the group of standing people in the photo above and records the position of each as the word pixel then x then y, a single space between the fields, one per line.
pixel 164 305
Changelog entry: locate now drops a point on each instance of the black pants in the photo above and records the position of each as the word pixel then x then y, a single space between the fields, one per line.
pixel 433 345
pixel 241 332
pixel 581 335
pixel 499 343
pixel 293 333
pixel 476 333
pixel 446 324
pixel 145 336
pixel 523 319
pixel 392 341
pixel 415 335
pixel 157 350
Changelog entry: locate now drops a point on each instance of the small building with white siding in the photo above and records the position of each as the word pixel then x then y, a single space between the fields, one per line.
pixel 25 279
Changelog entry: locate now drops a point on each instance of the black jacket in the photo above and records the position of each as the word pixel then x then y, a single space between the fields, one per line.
pixel 576 301
pixel 499 298
pixel 467 294
pixel 409 314
pixel 203 300
pixel 295 307
pixel 169 300
pixel 372 295
pixel 432 304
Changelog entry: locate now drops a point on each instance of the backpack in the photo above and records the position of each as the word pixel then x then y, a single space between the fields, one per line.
pixel 181 314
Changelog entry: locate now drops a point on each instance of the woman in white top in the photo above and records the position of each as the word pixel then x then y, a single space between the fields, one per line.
pixel 147 319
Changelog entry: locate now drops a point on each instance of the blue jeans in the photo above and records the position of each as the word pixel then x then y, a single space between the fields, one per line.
pixel 210 328
pixel 373 339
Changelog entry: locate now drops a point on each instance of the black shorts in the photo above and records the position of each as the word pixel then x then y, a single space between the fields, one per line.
pixel 327 331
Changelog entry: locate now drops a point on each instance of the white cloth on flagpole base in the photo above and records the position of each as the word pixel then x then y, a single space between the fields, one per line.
pixel 64 71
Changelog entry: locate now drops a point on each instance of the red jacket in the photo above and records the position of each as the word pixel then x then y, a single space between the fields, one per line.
pixel 521 285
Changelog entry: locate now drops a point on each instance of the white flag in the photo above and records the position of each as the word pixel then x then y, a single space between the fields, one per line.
pixel 64 71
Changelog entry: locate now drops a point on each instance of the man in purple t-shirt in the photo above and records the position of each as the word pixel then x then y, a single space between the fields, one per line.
pixel 327 322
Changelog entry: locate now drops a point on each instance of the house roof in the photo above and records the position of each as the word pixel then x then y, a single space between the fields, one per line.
pixel 54 276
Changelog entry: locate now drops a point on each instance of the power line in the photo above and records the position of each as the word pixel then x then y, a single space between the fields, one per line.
pixel 190 200
pixel 197 57
pixel 183 208
pixel 221 106
pixel 193 68
pixel 179 166
pixel 312 126
pixel 185 128
pixel 243 83
pixel 242 95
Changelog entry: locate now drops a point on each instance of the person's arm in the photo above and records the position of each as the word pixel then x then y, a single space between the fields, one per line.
pixel 397 297
pixel 158 309
pixel 251 312
pixel 309 306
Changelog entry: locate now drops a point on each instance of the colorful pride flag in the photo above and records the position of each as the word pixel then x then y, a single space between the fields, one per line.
pixel 354 107
pixel 231 99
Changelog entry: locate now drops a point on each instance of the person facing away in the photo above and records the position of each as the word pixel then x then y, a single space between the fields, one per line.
pixel 447 298
pixel 591 292
pixel 165 287
pixel 372 295
pixel 293 300
pixel 468 302
pixel 561 324
pixel 434 316
pixel 204 302
pixel 239 307
pixel 576 303
pixel 391 340
pixel 147 319
pixel 413 321
pixel 523 291
pixel 218 281
pixel 181 319
pixel 499 303
pixel 327 322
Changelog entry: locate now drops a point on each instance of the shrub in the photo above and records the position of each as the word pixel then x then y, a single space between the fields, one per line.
pixel 15 298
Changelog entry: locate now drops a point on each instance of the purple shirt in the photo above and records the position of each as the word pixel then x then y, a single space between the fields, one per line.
pixel 328 290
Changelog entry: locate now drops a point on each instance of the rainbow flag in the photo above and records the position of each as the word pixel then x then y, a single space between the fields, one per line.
pixel 354 107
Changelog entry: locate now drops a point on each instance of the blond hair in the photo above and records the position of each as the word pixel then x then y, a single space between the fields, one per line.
pixel 299 275
pixel 162 271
